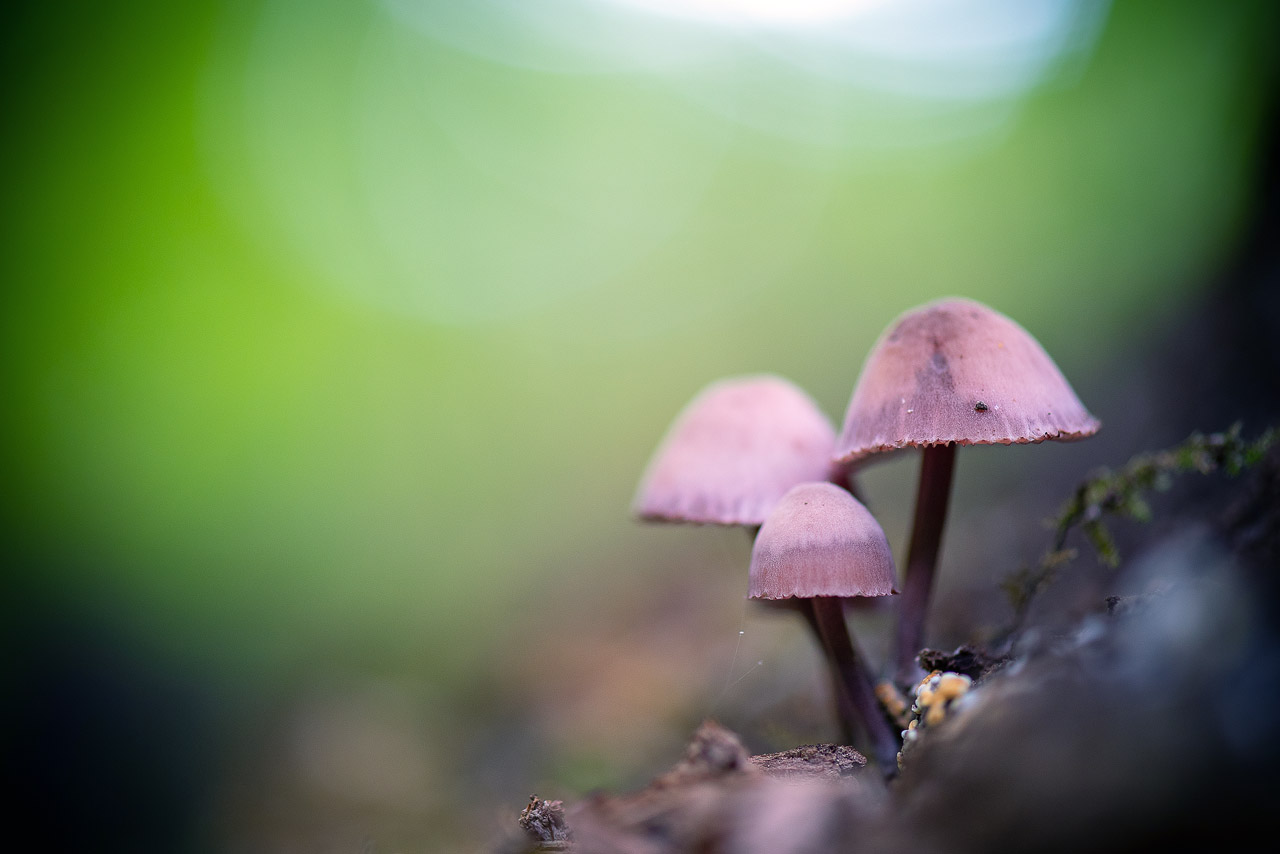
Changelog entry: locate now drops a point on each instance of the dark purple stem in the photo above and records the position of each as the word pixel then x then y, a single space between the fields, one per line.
pixel 936 466
pixel 856 682
pixel 846 714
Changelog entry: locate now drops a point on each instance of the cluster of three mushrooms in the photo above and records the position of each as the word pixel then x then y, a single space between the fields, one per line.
pixel 758 450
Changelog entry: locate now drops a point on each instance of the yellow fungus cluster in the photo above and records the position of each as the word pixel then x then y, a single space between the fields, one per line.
pixel 936 695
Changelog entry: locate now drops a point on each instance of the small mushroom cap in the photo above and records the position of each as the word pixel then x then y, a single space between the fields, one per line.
pixel 734 451
pixel 820 541
pixel 957 371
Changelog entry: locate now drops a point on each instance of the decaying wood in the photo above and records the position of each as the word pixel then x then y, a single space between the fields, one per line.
pixel 544 820
pixel 972 661
pixel 719 797
pixel 812 762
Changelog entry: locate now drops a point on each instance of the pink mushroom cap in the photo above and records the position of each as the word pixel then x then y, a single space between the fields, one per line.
pixel 820 541
pixel 955 371
pixel 734 451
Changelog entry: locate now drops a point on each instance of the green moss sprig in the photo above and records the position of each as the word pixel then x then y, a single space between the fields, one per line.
pixel 1108 494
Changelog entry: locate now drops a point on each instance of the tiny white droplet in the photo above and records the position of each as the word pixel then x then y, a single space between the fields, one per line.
pixel 742 633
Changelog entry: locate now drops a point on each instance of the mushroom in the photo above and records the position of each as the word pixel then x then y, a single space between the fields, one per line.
pixel 734 451
pixel 952 372
pixel 730 456
pixel 820 544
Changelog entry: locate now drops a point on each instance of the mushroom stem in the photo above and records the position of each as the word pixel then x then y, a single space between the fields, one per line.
pixel 846 714
pixel 855 682
pixel 936 466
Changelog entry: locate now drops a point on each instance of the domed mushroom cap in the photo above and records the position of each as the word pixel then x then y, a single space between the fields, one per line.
pixel 820 541
pixel 957 371
pixel 734 451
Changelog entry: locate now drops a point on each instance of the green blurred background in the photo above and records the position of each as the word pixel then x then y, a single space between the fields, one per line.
pixel 337 334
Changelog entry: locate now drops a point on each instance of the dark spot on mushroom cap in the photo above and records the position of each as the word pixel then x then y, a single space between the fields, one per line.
pixel 935 377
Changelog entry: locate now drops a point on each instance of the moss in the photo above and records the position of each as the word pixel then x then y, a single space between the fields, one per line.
pixel 1122 493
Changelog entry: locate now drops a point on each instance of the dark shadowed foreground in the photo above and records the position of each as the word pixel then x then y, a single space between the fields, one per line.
pixel 1152 722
